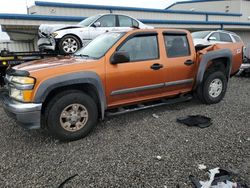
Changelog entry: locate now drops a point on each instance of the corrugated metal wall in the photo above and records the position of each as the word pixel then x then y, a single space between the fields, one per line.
pixel 17 46
pixel 245 36
pixel 232 6
pixel 58 11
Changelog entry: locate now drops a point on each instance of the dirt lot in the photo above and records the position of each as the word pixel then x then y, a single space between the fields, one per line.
pixel 121 151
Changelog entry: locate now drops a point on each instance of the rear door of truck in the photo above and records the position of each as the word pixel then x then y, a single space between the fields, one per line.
pixel 180 61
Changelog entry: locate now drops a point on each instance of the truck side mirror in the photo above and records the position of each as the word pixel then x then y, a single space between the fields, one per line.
pixel 119 57
pixel 97 24
pixel 211 38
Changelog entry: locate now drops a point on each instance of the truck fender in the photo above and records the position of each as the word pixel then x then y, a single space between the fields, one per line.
pixel 208 57
pixel 86 77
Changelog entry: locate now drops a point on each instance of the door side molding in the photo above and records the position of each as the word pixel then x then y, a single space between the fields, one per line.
pixel 149 87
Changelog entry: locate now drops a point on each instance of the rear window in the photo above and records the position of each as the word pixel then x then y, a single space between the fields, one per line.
pixel 176 45
pixel 237 38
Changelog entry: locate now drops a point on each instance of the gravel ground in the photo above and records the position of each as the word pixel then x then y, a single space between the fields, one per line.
pixel 122 151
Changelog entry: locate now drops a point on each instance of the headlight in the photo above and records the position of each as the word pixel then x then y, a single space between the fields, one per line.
pixel 54 34
pixel 21 95
pixel 21 88
pixel 23 80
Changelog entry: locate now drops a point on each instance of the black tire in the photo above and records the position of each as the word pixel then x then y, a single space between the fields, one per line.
pixel 203 90
pixel 58 104
pixel 75 41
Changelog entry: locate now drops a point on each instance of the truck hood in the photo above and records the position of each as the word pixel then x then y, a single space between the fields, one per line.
pixel 46 29
pixel 50 63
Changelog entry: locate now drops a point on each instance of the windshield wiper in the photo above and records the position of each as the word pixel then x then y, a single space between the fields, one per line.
pixel 84 56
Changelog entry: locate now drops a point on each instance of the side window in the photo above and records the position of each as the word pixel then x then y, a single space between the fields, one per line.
pixel 107 21
pixel 125 21
pixel 237 38
pixel 225 37
pixel 135 23
pixel 216 35
pixel 176 45
pixel 141 48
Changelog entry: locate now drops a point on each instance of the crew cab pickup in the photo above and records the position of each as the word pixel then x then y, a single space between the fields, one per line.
pixel 115 73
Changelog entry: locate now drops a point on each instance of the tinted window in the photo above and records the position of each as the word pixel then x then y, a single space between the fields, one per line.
pixel 216 35
pixel 107 21
pixel 141 48
pixel 125 21
pixel 176 45
pixel 237 38
pixel 225 37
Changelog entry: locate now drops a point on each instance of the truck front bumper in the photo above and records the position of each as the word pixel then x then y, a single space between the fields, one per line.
pixel 27 115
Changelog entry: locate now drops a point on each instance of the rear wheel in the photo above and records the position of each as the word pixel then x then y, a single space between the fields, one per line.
pixel 71 115
pixel 69 44
pixel 213 88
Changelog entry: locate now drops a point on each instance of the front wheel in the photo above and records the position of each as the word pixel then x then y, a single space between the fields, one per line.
pixel 71 115
pixel 213 88
pixel 69 44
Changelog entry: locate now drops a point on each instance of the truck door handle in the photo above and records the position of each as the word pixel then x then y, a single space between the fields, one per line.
pixel 189 62
pixel 156 66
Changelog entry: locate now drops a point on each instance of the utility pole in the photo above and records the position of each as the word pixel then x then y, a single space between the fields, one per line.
pixel 27 8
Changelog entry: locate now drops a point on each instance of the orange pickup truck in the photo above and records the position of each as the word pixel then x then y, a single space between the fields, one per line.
pixel 117 72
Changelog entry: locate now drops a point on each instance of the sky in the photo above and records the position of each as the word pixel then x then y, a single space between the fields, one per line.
pixel 19 6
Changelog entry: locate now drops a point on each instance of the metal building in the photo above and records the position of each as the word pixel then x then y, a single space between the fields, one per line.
pixel 231 15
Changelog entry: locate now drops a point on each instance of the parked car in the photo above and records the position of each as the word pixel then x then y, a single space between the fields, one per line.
pixel 245 67
pixel 69 38
pixel 115 73
pixel 213 37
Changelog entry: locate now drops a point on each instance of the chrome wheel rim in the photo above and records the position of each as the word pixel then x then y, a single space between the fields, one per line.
pixel 74 117
pixel 215 88
pixel 70 45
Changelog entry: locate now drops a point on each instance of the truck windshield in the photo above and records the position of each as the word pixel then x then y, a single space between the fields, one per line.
pixel 200 34
pixel 99 46
pixel 88 21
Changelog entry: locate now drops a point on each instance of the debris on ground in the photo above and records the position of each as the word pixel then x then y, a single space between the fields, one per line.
pixel 155 116
pixel 195 120
pixel 218 178
pixel 202 167
pixel 67 180
pixel 158 157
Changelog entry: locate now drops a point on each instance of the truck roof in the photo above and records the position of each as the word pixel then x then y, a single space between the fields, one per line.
pixel 135 30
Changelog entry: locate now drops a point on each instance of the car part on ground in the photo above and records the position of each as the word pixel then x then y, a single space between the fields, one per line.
pixel 218 178
pixel 195 120
pixel 70 38
pixel 118 72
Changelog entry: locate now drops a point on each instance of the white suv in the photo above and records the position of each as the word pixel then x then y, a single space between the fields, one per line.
pixel 69 38
pixel 213 37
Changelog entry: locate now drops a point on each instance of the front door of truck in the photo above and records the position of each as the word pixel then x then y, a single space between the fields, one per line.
pixel 139 79
pixel 180 62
